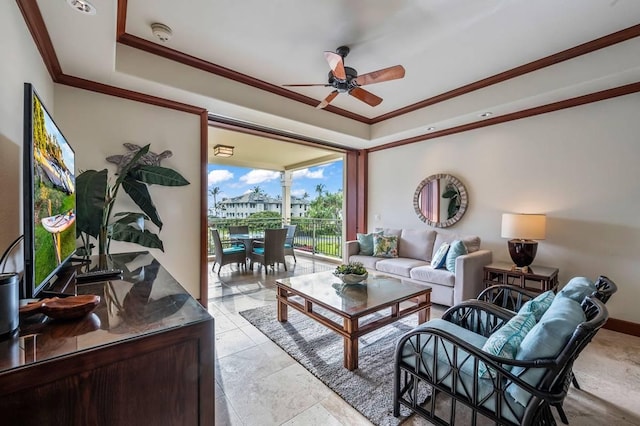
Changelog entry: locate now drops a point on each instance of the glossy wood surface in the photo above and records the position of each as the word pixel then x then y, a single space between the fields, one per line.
pixel 146 352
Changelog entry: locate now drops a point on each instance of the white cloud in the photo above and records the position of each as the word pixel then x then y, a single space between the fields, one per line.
pixel 298 192
pixel 259 176
pixel 305 173
pixel 216 176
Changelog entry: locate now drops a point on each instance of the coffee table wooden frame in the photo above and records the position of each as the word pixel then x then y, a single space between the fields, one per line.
pixel 351 330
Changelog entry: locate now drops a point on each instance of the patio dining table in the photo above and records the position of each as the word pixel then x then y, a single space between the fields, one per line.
pixel 247 239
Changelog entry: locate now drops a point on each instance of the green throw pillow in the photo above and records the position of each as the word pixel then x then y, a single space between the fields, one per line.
pixel 366 243
pixel 456 249
pixel 385 245
pixel 440 257
pixel 539 305
pixel 505 341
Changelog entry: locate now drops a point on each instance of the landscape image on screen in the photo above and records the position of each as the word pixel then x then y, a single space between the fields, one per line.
pixel 53 193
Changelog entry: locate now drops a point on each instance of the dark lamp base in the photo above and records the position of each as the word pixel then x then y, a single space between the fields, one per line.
pixel 522 252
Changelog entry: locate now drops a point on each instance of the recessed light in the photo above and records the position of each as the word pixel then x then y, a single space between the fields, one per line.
pixel 486 114
pixel 82 6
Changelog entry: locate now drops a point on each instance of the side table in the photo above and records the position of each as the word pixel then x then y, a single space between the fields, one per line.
pixel 537 278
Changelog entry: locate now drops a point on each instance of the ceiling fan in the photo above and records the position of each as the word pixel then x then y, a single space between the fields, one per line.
pixel 346 79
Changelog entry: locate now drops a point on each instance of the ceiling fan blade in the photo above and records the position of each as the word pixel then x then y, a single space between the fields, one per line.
pixel 328 99
pixel 306 85
pixel 336 64
pixel 386 74
pixel 364 96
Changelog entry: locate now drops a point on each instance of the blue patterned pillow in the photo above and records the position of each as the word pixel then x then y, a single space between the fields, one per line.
pixel 539 305
pixel 385 245
pixel 505 341
pixel 456 249
pixel 366 243
pixel 440 257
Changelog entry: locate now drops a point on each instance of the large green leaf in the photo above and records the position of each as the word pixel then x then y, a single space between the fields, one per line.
pixel 91 189
pixel 158 175
pixel 127 218
pixel 140 195
pixel 131 164
pixel 122 232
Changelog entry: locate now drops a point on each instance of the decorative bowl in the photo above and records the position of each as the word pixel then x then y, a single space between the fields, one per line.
pixel 352 278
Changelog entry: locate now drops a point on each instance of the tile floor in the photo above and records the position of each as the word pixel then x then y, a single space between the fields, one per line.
pixel 257 383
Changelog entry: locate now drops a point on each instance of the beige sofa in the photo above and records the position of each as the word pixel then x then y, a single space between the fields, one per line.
pixel 415 250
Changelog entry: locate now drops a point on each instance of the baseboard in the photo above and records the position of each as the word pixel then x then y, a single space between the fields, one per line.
pixel 626 327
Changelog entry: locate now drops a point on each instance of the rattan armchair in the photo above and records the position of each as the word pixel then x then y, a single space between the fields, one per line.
pixel 441 359
pixel 227 251
pixel 270 251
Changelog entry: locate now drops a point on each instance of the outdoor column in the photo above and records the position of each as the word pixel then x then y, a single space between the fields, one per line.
pixel 285 180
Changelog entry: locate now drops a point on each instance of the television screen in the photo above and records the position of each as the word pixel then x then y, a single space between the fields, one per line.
pixel 50 197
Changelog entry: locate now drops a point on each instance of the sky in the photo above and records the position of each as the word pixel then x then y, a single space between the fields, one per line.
pixel 235 181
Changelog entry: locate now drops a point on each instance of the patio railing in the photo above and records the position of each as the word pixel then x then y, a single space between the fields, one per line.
pixel 314 236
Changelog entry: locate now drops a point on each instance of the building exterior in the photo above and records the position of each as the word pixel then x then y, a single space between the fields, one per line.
pixel 247 204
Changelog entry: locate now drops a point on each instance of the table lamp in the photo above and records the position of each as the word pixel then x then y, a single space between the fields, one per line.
pixel 523 229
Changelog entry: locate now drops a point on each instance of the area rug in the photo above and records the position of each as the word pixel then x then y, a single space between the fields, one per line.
pixel 369 388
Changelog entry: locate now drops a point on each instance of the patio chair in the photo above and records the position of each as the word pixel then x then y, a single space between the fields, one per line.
pixel 270 251
pixel 288 242
pixel 234 252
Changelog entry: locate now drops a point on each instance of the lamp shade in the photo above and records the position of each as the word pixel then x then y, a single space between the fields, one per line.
pixel 524 226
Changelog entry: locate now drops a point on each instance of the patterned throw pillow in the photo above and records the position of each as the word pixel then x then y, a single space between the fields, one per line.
pixel 456 249
pixel 385 245
pixel 366 243
pixel 505 341
pixel 440 257
pixel 539 305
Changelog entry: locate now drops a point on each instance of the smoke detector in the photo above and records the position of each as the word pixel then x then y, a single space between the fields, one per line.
pixel 161 31
pixel 82 6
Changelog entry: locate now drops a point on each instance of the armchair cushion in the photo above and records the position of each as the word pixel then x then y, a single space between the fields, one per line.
pixel 545 340
pixel 456 249
pixel 233 249
pixel 385 245
pixel 539 305
pixel 577 289
pixel 366 243
pixel 505 341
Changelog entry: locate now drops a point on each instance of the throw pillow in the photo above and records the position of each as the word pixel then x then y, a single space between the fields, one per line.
pixel 366 243
pixel 385 245
pixel 456 249
pixel 577 289
pixel 505 341
pixel 440 257
pixel 539 305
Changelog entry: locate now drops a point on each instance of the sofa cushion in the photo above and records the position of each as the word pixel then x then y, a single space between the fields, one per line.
pixel 577 289
pixel 539 305
pixel 471 242
pixel 366 243
pixel 545 340
pixel 416 243
pixel 505 341
pixel 436 276
pixel 399 266
pixel 368 262
pixel 440 256
pixel 385 245
pixel 456 248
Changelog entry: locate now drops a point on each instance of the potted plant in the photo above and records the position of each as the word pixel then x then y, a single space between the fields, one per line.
pixel 351 273
pixel 96 196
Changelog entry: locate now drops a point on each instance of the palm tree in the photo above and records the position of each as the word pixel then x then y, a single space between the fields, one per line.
pixel 214 192
pixel 320 188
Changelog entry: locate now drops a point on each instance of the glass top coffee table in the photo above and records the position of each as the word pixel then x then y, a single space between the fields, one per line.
pixel 379 294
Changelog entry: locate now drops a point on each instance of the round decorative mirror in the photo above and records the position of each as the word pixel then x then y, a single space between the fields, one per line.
pixel 440 200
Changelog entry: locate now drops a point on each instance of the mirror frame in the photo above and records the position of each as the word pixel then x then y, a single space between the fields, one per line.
pixel 464 200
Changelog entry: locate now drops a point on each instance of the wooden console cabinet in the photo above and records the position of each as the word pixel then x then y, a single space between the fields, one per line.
pixel 144 356
pixel 536 278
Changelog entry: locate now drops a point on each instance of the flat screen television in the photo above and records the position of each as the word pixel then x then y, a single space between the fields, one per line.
pixel 49 197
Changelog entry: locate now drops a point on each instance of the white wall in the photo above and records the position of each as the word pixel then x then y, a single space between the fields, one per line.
pixel 580 166
pixel 97 125
pixel 21 62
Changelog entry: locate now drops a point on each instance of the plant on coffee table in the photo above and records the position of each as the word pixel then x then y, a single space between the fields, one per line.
pixel 351 273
